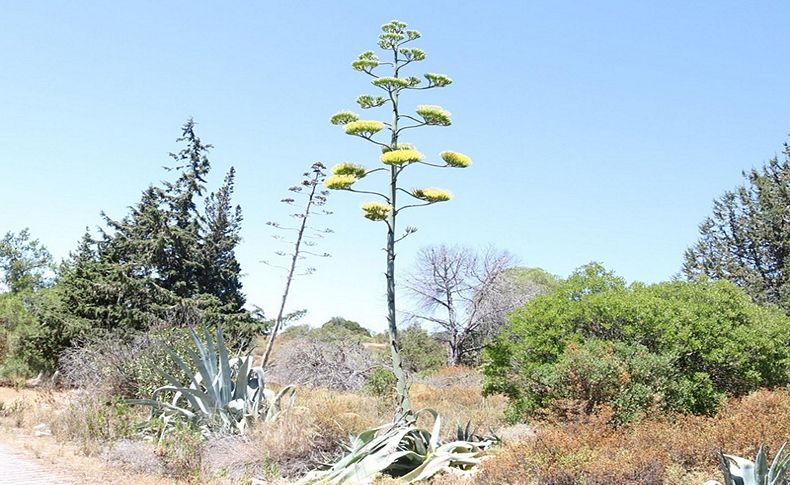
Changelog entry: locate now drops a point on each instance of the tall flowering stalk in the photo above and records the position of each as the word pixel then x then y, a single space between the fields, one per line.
pixel 395 156
pixel 314 200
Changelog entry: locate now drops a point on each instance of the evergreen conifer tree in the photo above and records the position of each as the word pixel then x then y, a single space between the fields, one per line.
pixel 747 238
pixel 166 261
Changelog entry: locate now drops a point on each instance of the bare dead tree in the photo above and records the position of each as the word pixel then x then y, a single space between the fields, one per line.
pixel 466 293
pixel 303 242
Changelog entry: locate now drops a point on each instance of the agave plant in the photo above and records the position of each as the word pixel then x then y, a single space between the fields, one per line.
pixel 740 471
pixel 403 450
pixel 223 394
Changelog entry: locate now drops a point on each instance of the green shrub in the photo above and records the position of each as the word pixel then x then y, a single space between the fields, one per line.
pixel 343 325
pixel 718 341
pixel 33 332
pixel 421 351
pixel 627 378
pixel 124 364
pixel 381 383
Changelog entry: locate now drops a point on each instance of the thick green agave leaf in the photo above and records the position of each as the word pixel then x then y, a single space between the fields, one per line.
pixel 222 394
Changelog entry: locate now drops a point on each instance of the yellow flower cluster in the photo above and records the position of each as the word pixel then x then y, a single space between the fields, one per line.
pixel 432 194
pixel 413 54
pixel 364 128
pixel 365 62
pixel 438 80
pixel 376 211
pixel 340 182
pixel 455 159
pixel 366 101
pixel 343 117
pixel 434 115
pixel 399 157
pixel 348 168
pixel 390 82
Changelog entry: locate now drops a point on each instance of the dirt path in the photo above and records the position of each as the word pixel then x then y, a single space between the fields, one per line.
pixel 17 468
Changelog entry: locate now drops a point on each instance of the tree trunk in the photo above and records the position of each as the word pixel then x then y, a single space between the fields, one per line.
pixel 453 354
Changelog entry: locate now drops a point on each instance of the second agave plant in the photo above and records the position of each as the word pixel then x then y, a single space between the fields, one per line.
pixel 223 394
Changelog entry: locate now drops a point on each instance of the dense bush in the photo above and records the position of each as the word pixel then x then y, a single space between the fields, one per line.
pixel 381 382
pixel 33 331
pixel 597 373
pixel 421 351
pixel 115 363
pixel 336 328
pixel 339 324
pixel 717 340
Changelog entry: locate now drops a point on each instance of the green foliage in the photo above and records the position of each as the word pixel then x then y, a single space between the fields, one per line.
pixel 167 261
pixel 221 395
pixel 421 351
pixel 334 329
pixel 746 240
pixel 145 371
pixel 596 373
pixel 24 262
pixel 717 340
pixel 402 450
pixel 296 331
pixel 33 331
pixel 340 324
pixel 526 277
pixel 740 471
pixel 381 383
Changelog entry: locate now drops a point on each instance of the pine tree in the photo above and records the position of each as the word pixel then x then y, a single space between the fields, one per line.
pixel 747 238
pixel 220 268
pixel 166 261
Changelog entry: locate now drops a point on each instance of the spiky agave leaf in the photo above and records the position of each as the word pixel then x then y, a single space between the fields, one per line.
pixel 740 471
pixel 777 473
pixel 222 394
pixel 403 450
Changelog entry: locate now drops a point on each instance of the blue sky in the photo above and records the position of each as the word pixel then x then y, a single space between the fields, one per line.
pixel 599 130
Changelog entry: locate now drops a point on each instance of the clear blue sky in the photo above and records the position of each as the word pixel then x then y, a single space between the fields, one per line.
pixel 600 130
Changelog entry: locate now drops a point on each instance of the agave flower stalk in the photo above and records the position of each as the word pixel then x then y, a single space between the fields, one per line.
pixel 303 242
pixel 395 158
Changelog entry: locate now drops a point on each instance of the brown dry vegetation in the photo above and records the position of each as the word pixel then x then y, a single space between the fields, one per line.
pixel 657 451
pixel 666 450
pixel 321 419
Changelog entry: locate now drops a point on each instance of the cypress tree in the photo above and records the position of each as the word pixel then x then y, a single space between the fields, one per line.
pixel 166 261
pixel 746 240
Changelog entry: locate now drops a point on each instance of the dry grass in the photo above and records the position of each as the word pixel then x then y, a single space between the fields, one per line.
pixel 673 451
pixel 321 420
